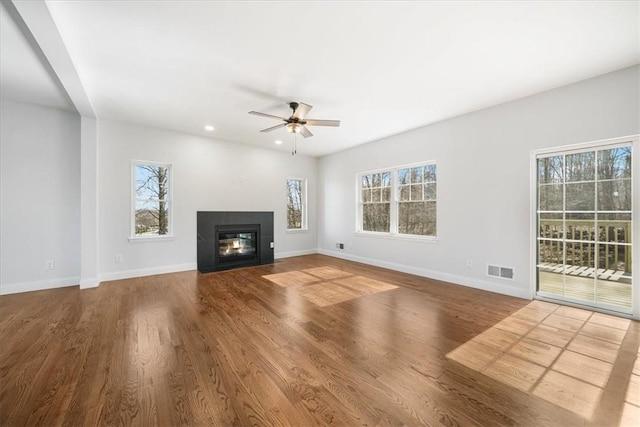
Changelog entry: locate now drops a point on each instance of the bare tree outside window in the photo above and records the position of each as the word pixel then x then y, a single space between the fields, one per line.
pixel 376 202
pixel 400 201
pixel 152 199
pixel 417 201
pixel 584 240
pixel 296 189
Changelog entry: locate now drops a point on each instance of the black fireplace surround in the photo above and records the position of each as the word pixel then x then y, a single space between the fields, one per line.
pixel 234 239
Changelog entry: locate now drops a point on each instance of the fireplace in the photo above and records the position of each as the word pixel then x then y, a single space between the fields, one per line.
pixel 237 243
pixel 234 239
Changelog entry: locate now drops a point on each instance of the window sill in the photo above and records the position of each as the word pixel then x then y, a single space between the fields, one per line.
pixel 425 239
pixel 297 230
pixel 151 239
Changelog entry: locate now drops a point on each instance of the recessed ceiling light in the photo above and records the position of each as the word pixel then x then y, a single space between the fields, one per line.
pixel 209 128
pixel 278 142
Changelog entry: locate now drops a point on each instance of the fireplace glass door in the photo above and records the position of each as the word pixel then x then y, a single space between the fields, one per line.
pixel 237 245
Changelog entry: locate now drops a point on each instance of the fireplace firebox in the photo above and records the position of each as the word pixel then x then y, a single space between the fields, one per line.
pixel 234 239
pixel 237 243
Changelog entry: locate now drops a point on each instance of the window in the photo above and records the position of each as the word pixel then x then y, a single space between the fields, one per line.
pixel 584 226
pixel 399 201
pixel 417 200
pixel 296 204
pixel 151 200
pixel 376 202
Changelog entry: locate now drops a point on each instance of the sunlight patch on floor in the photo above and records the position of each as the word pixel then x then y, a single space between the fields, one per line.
pixel 561 354
pixel 326 286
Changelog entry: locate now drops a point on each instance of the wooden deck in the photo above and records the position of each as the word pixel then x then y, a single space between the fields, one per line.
pixel 579 285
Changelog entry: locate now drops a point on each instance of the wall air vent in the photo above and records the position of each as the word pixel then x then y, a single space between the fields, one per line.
pixel 498 271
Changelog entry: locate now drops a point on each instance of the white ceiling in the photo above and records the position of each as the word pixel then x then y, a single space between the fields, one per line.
pixel 380 67
pixel 25 75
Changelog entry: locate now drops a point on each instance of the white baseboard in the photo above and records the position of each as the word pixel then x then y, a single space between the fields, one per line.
pixel 89 283
pixel 436 275
pixel 290 254
pixel 39 285
pixel 129 274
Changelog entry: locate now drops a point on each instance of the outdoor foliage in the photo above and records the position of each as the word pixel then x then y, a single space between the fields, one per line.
pixel 152 200
pixel 295 200
pixel 413 202
pixel 584 204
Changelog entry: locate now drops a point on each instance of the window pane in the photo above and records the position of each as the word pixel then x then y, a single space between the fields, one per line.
pixel 551 197
pixel 366 196
pixel 375 195
pixel 580 167
pixel 403 176
pixel 386 179
pixel 614 258
pixel 405 193
pixel 376 180
pixel 417 218
pixel 386 194
pixel 551 253
pixel 430 191
pixel 430 173
pixel 580 226
pixel 614 195
pixel 580 197
pixel 614 276
pixel 151 218
pixel 550 170
pixel 416 192
pixel 151 207
pixel 366 181
pixel 376 217
pixel 295 202
pixel 580 254
pixel 551 226
pixel 152 182
pixel 416 175
pixel 614 163
pixel 578 285
pixel 614 228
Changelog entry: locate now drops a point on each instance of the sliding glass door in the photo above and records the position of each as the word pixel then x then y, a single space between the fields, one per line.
pixel 584 226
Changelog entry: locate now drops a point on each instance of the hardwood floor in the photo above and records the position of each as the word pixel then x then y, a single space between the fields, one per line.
pixel 307 341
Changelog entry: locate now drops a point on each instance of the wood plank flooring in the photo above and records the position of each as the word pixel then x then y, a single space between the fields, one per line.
pixel 306 341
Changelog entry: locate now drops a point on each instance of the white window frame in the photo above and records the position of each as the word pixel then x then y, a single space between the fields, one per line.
pixel 635 203
pixel 303 201
pixel 133 238
pixel 395 202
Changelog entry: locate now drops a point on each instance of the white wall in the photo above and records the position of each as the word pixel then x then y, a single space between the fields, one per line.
pixel 39 197
pixel 483 180
pixel 207 175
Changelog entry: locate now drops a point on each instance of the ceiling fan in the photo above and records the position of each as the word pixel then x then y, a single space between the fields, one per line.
pixel 296 122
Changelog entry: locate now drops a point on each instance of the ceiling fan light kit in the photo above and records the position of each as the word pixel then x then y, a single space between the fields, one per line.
pixel 296 123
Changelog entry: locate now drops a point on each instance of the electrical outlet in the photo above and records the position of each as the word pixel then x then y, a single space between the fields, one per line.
pixel 118 258
pixel 49 264
pixel 469 263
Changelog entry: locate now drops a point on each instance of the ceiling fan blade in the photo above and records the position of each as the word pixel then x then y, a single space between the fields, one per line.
pixel 274 127
pixel 305 132
pixel 271 116
pixel 302 110
pixel 314 122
